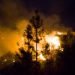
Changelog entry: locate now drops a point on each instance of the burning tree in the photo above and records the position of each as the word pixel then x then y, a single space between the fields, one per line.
pixel 28 34
pixel 31 33
pixel 36 23
pixel 42 45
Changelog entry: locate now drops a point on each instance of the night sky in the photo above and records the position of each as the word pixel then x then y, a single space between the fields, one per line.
pixel 12 10
pixel 64 8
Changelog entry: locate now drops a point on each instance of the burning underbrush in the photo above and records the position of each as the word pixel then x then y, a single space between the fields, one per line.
pixel 47 48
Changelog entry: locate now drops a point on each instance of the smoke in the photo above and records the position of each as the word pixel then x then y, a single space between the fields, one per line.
pixel 14 19
pixel 54 23
pixel 9 38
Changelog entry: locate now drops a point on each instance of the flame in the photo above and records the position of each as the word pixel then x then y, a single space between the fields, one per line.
pixel 54 44
pixel 39 46
pixel 53 41
pixel 41 57
pixel 59 33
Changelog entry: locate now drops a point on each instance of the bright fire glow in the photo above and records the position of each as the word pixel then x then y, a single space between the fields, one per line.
pixel 54 44
pixel 53 41
pixel 41 57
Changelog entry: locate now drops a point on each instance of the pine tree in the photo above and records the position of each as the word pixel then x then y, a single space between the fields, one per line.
pixel 36 22
pixel 29 37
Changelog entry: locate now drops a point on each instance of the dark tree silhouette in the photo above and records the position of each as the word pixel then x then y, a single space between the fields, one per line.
pixel 36 22
pixel 28 35
pixel 47 50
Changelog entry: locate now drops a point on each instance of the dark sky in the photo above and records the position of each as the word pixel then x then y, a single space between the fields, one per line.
pixel 64 8
pixel 11 10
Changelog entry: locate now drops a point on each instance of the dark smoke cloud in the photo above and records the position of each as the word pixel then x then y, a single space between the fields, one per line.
pixel 14 10
pixel 10 12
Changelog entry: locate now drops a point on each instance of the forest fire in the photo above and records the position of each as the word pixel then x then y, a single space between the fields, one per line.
pixel 53 43
pixel 37 37
pixel 47 46
pixel 38 42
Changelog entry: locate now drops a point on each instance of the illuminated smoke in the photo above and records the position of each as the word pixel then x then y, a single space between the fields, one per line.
pixel 14 19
